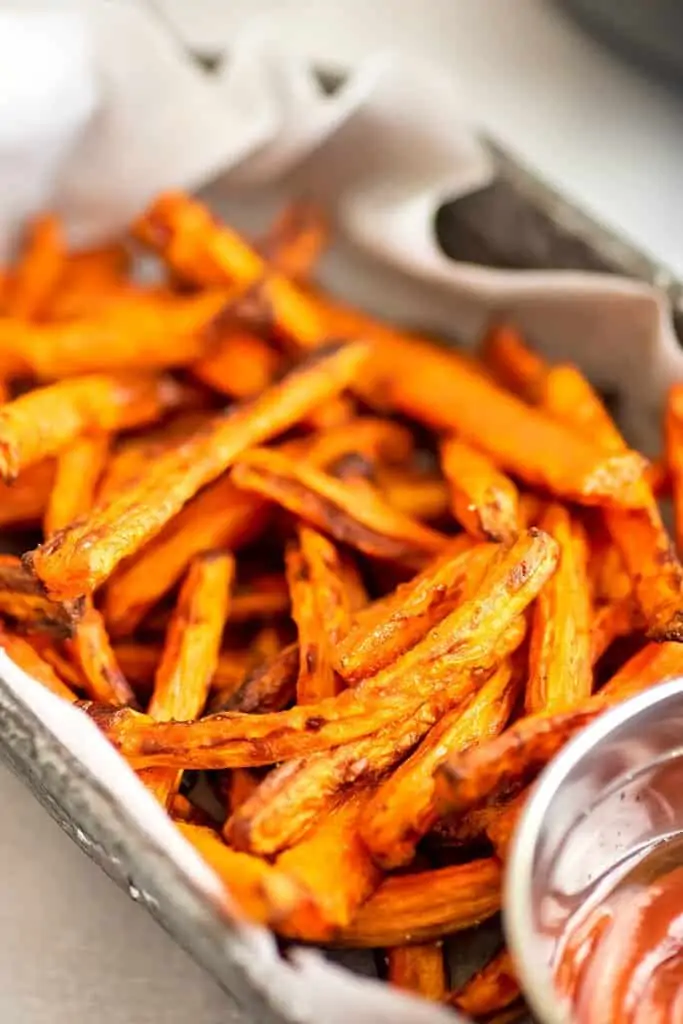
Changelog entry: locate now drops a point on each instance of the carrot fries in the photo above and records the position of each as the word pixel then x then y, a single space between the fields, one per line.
pixel 336 592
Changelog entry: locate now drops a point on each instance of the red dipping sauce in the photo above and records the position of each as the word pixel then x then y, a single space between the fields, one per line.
pixel 621 959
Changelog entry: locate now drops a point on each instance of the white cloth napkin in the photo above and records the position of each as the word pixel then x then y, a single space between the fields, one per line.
pixel 100 110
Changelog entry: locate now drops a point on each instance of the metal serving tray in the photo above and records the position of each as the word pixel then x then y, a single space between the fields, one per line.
pixel 516 222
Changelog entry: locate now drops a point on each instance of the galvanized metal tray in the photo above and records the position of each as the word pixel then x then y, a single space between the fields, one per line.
pixel 517 222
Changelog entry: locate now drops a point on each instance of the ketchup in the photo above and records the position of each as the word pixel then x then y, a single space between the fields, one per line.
pixel 621 960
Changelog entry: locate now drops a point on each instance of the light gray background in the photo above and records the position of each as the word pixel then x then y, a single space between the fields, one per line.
pixel 74 949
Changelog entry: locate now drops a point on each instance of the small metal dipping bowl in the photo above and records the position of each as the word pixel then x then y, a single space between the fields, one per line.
pixel 611 794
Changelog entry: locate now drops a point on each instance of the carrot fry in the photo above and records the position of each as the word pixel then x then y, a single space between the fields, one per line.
pixel 133 456
pixel 474 634
pixel 638 532
pixel 404 809
pixel 443 392
pixel 501 827
pixel 394 625
pixel 206 252
pixel 483 500
pixel 40 267
pixel 220 516
pixel 139 663
pixel 332 863
pixel 365 436
pixel 91 649
pixel 424 907
pixel 190 656
pixel 493 988
pixel 80 558
pixel 457 831
pixel 56 657
pixel 264 597
pixel 509 761
pixel 79 468
pixel 261 892
pixel 292 797
pixel 611 621
pixel 241 366
pixel 419 495
pixel 142 332
pixel 23 599
pixel 419 969
pixel 335 413
pixel 296 240
pixel 269 687
pixel 241 784
pixel 560 669
pixel 673 432
pixel 28 659
pixel 22 502
pixel 354 516
pixel 322 609
pixel 44 421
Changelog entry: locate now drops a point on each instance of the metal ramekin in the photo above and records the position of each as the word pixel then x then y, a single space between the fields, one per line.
pixel 612 792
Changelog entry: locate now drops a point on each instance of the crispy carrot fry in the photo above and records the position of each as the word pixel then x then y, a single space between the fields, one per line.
pixel 392 626
pixel 79 468
pixel 501 827
pixel 293 796
pixel 220 516
pixel 419 495
pixel 44 421
pixel 191 652
pixel 241 366
pixel 332 863
pixel 367 436
pixel 611 621
pixel 424 907
pixel 493 988
pixel 431 385
pixel 263 597
pixel 138 332
pixel 560 668
pixel 40 267
pixel 531 508
pixel 354 516
pixel 513 364
pixel 23 501
pixel 673 432
pixel 133 456
pixel 322 607
pixel 139 663
pixel 28 659
pixel 91 649
pixel 201 250
pixel 262 893
pixel 333 414
pixel 404 808
pixel 190 657
pixel 639 533
pixel 462 830
pixel 659 478
pixel 51 651
pixel 23 599
pixel 515 757
pixel 475 634
pixel 419 969
pixel 483 500
pixel 241 784
pixel 296 239
pixel 269 687
pixel 83 556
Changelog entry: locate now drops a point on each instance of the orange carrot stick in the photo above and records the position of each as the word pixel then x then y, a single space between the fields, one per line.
pixel 560 667
pixel 80 558
pixel 79 468
pixel 42 422
pixel 483 500
pixel 190 656
pixel 419 969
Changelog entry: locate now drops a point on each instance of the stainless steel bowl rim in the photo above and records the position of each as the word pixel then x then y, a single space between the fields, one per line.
pixel 535 978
